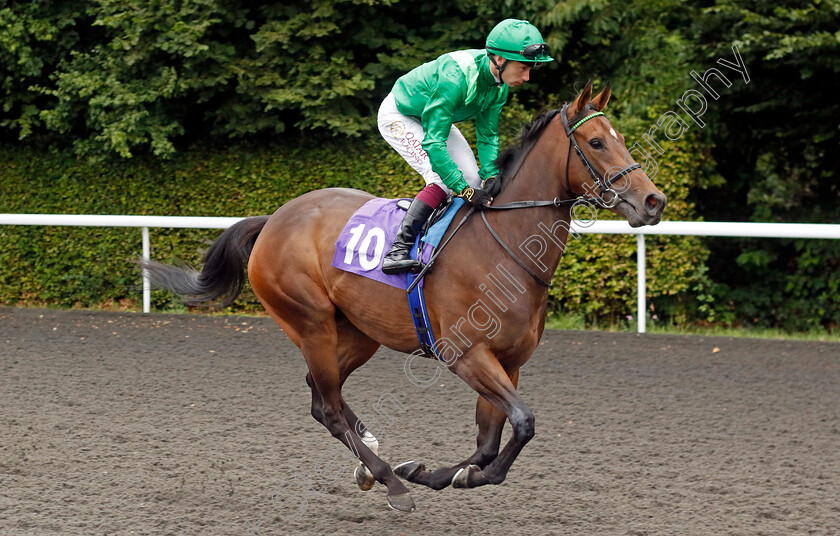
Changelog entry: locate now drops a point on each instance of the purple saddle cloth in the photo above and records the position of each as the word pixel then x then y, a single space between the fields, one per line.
pixel 366 239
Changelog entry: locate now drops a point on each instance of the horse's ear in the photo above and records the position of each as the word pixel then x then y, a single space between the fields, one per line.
pixel 601 99
pixel 582 100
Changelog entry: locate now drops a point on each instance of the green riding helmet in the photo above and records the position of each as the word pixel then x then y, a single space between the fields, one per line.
pixel 518 40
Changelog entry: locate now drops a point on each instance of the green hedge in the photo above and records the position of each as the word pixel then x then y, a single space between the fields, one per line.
pixel 91 267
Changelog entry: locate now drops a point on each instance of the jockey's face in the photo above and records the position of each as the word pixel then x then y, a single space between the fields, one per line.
pixel 514 74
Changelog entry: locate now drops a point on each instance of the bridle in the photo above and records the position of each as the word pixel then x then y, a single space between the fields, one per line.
pixel 604 184
pixel 588 197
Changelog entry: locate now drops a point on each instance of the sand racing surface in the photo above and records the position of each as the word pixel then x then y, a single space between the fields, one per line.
pixel 190 425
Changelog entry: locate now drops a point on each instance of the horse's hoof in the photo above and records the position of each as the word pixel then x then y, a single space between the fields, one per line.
pixel 462 477
pixel 403 503
pixel 364 478
pixel 408 470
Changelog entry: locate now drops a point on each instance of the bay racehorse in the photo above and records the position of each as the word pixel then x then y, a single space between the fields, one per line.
pixel 565 159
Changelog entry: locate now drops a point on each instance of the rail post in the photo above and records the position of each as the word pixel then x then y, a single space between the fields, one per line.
pixel 640 280
pixel 147 287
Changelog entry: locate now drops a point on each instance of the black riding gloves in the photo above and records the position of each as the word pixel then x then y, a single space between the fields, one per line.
pixel 493 185
pixel 475 196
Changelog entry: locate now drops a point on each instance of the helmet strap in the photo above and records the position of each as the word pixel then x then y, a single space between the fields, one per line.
pixel 499 68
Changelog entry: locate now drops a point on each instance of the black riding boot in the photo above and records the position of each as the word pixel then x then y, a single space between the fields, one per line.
pixel 398 258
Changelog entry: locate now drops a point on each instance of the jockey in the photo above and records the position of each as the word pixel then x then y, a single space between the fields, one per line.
pixel 417 118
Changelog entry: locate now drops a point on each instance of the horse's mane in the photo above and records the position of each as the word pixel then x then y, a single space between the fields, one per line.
pixel 506 162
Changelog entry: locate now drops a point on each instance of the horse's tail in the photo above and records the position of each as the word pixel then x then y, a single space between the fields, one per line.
pixel 223 275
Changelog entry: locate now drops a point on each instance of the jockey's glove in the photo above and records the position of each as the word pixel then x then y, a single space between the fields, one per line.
pixel 476 197
pixel 493 185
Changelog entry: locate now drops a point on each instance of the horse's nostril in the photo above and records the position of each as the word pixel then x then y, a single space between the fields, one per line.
pixel 654 204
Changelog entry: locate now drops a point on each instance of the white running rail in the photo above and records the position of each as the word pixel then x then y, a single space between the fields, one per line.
pixel 690 228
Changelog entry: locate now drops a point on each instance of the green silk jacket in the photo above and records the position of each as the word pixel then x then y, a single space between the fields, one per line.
pixel 454 87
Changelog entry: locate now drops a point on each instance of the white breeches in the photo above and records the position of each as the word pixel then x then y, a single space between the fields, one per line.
pixel 405 134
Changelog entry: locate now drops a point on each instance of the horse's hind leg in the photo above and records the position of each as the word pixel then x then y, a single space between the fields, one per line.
pixel 330 361
pixel 354 350
pixel 491 422
pixel 364 478
pixel 325 374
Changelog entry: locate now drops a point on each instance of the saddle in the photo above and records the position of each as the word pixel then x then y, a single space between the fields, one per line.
pixel 367 235
pixel 437 214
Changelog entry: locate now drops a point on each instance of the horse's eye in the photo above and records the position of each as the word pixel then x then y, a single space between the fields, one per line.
pixel 596 143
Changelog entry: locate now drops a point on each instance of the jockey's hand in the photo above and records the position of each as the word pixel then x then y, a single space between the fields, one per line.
pixel 493 185
pixel 475 196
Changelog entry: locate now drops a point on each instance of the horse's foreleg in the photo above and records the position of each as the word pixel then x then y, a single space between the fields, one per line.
pixel 488 378
pixel 491 422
